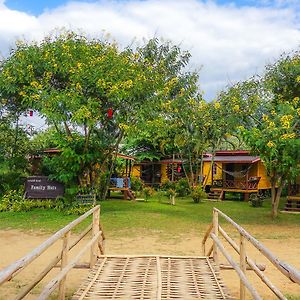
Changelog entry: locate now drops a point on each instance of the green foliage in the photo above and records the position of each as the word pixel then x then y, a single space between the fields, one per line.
pixel 198 194
pixel 136 183
pixel 182 187
pixel 167 185
pixel 148 192
pixel 256 200
pixel 78 209
pixel 13 201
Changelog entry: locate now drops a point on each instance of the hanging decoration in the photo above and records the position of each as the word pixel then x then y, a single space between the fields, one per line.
pixel 110 113
pixel 31 113
pixel 179 169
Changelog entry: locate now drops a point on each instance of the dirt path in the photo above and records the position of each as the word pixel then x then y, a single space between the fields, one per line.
pixel 15 244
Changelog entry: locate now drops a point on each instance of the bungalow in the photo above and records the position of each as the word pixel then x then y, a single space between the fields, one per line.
pixel 153 173
pixel 293 198
pixel 234 171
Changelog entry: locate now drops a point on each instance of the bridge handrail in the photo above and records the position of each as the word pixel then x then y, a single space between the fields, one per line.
pixel 13 269
pixel 213 232
pixel 286 269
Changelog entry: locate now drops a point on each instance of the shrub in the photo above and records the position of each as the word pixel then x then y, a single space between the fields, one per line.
pixel 136 184
pixel 78 209
pixel 148 192
pixel 182 187
pixel 167 185
pixel 198 194
pixel 9 199
pixel 256 200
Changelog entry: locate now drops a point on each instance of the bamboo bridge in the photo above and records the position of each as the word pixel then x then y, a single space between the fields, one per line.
pixel 148 276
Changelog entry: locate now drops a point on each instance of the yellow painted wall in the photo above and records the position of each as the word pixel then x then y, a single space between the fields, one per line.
pixel 264 182
pixel 163 171
pixel 136 171
pixel 207 172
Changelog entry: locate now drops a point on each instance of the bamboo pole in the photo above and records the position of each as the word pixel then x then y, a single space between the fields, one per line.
pixel 242 276
pixel 52 265
pixel 13 269
pixel 95 231
pixel 216 232
pixel 64 262
pixel 242 266
pixel 290 272
pixel 206 237
pixel 51 286
pixel 159 286
pixel 255 268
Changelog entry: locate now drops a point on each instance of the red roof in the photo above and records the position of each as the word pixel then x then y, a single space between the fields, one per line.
pixel 234 159
pixel 232 152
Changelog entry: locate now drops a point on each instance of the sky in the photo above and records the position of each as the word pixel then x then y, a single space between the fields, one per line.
pixel 229 40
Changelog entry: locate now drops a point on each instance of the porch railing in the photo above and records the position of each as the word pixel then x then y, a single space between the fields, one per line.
pixel 241 184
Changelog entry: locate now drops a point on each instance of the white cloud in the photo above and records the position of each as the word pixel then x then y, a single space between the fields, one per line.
pixel 231 43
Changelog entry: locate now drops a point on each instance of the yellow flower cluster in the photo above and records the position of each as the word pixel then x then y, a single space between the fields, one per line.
pixel 217 105
pixel 270 144
pixel 288 136
pixel 298 111
pixel 295 100
pixel 36 85
pixel 123 126
pixel 236 108
pixel 271 124
pixel 298 78
pixel 286 121
pixel 265 117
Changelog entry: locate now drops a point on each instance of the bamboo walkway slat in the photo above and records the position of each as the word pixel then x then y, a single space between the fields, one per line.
pixel 152 277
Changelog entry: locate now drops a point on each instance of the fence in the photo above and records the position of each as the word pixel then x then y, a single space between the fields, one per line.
pixel 95 245
pixel 245 261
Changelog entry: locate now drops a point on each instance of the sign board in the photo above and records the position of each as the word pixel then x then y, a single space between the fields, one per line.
pixel 40 187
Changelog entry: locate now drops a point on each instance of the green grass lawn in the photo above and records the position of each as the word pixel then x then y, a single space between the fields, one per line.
pixel 156 215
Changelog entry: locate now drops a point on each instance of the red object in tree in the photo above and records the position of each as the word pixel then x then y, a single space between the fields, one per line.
pixel 110 113
pixel 31 113
pixel 179 169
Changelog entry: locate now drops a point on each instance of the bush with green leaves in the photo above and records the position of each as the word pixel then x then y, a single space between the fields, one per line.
pixel 136 183
pixel 182 187
pixel 167 185
pixel 148 192
pixel 198 194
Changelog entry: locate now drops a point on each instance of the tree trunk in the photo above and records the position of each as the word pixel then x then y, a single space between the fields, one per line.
pixel 275 196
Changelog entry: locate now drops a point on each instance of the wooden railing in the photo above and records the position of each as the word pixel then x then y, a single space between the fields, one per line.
pixel 241 184
pixel 95 245
pixel 245 261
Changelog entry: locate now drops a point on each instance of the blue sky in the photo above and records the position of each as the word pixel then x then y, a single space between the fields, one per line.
pixel 37 7
pixel 229 40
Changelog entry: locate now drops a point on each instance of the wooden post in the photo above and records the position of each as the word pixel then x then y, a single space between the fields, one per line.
pixel 95 230
pixel 64 262
pixel 243 266
pixel 216 232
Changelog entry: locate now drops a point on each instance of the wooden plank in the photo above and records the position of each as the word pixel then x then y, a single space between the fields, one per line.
pixel 242 266
pixel 205 237
pixel 290 272
pixel 12 270
pixel 64 261
pixel 216 232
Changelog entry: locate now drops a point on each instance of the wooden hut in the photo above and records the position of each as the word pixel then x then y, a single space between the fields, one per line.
pixel 154 173
pixel 235 172
pixel 293 198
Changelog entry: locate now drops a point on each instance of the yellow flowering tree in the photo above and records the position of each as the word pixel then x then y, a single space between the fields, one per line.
pixel 91 92
pixel 269 120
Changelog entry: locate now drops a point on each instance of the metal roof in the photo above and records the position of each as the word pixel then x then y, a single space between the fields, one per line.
pixel 234 159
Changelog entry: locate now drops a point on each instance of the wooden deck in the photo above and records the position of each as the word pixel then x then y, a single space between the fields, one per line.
pixel 152 277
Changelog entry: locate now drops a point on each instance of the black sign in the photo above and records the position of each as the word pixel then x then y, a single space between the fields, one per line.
pixel 40 187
